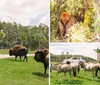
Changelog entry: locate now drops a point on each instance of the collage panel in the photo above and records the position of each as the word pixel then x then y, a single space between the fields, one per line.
pixel 24 42
pixel 75 20
pixel 74 64
pixel 49 42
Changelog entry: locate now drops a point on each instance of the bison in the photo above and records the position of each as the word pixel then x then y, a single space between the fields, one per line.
pixel 42 56
pixel 19 50
pixel 66 20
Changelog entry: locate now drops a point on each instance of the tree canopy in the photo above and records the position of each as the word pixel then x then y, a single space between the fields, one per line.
pixel 33 37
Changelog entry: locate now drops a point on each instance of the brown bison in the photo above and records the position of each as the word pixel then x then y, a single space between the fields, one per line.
pixel 66 20
pixel 19 50
pixel 42 56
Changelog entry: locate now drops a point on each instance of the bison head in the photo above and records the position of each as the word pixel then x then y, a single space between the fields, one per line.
pixel 11 51
pixel 38 55
pixel 64 17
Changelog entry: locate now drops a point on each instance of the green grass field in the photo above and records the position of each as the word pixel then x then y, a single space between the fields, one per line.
pixel 80 80
pixel 22 73
pixel 6 51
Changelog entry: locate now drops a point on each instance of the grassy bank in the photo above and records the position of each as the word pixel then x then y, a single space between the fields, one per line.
pixel 22 73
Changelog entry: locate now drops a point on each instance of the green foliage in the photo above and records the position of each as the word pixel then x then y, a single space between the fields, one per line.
pixel 80 33
pixel 97 50
pixel 89 15
pixel 87 30
pixel 60 58
pixel 33 37
pixel 96 24
pixel 2 35
pixel 72 6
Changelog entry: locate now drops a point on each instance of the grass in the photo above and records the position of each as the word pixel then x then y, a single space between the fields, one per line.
pixel 80 80
pixel 6 51
pixel 22 73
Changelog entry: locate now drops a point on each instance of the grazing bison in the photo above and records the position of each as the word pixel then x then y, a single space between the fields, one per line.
pixel 19 50
pixel 42 56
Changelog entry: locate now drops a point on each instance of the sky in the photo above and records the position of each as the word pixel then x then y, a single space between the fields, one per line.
pixel 85 49
pixel 25 12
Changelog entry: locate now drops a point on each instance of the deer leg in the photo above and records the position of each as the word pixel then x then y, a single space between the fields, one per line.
pixel 93 74
pixel 65 75
pixel 71 74
pixel 96 73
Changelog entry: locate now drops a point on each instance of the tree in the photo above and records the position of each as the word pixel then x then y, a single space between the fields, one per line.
pixel 33 37
pixel 77 8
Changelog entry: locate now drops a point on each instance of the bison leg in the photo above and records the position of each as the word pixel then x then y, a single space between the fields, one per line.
pixel 61 29
pixel 61 37
pixel 15 57
pixel 45 68
pixel 25 57
pixel 20 58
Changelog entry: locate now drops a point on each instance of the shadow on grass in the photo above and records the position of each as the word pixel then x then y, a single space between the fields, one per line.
pixel 40 74
pixel 71 82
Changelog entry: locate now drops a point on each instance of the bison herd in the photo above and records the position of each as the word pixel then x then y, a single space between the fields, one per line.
pixel 41 55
